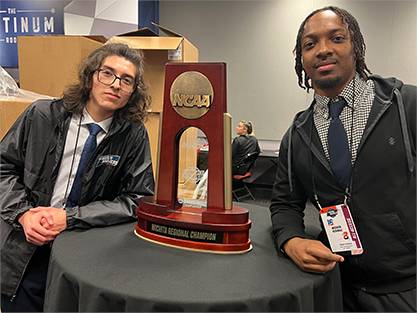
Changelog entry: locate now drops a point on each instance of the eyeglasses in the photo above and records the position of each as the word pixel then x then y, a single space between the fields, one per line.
pixel 107 77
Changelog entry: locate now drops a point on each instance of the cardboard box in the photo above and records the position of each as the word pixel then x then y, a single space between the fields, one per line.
pixel 12 107
pixel 49 63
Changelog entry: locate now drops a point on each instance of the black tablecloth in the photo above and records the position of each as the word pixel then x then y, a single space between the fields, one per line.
pixel 110 269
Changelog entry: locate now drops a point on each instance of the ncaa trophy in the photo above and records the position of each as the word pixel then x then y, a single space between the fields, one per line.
pixel 195 96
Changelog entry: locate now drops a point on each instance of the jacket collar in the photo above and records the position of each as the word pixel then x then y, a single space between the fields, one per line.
pixel 384 93
pixel 384 87
pixel 62 116
pixel 118 125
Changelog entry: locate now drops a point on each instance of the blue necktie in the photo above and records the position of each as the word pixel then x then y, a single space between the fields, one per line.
pixel 340 157
pixel 89 147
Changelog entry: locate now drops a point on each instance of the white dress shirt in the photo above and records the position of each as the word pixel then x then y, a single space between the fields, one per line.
pixel 66 176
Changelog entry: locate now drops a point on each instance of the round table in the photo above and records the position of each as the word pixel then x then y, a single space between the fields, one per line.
pixel 110 269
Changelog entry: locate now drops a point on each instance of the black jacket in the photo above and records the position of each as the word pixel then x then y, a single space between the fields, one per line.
pixel 383 188
pixel 241 146
pixel 31 154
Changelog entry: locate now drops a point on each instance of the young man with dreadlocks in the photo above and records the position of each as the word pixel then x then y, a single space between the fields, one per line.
pixel 354 147
pixel 77 162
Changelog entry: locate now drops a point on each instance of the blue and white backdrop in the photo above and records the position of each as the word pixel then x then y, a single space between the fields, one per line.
pixel 77 17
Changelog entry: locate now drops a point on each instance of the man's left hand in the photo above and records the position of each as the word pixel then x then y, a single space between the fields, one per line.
pixel 57 215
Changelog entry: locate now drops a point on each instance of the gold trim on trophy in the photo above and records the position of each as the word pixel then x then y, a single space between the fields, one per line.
pixel 227 124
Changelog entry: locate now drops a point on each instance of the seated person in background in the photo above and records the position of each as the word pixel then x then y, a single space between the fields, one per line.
pixel 242 145
pixel 77 162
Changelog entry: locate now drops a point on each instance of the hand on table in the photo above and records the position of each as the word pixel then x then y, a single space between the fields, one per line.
pixel 311 255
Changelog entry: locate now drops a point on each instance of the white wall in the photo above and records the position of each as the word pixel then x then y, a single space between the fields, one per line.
pixel 256 39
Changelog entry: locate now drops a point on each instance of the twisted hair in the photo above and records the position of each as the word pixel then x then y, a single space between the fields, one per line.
pixel 76 96
pixel 248 125
pixel 359 46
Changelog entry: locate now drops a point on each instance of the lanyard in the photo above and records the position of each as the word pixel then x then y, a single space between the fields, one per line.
pixel 72 161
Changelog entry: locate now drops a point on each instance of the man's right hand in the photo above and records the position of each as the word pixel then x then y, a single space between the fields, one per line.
pixel 311 255
pixel 34 231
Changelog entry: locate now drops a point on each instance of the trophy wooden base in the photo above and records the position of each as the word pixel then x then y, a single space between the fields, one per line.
pixel 197 229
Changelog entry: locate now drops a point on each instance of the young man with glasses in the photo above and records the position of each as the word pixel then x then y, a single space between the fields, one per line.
pixel 77 162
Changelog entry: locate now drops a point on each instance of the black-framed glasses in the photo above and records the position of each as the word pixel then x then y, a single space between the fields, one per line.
pixel 107 77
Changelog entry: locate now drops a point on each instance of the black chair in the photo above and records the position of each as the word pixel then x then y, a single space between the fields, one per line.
pixel 240 189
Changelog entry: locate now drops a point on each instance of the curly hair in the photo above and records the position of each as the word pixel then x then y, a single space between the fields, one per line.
pixel 359 46
pixel 76 96
pixel 248 125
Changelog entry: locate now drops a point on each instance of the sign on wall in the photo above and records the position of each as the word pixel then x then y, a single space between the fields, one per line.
pixel 70 17
pixel 27 18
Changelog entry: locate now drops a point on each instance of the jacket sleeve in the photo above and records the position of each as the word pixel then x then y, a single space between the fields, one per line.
pixel 258 149
pixel 409 94
pixel 137 182
pixel 288 199
pixel 14 199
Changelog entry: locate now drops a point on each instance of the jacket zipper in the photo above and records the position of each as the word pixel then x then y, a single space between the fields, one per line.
pixel 20 280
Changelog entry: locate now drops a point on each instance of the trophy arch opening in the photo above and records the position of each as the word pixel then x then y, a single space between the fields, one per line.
pixel 192 164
